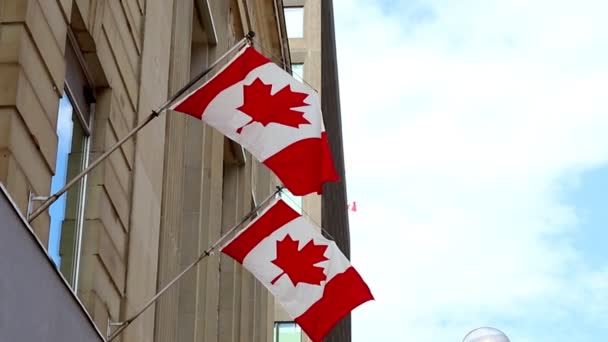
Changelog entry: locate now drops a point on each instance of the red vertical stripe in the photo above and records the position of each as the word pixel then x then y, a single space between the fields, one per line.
pixel 341 295
pixel 329 173
pixel 196 103
pixel 304 166
pixel 272 220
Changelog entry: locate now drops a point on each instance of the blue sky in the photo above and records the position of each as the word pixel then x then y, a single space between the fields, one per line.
pixel 481 184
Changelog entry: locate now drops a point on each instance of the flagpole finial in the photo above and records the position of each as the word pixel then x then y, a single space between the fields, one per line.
pixel 250 36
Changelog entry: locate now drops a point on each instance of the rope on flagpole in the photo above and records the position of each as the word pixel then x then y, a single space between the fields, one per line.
pixel 155 113
pixel 206 253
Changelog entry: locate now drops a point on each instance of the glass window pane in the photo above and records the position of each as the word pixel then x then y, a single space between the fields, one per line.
pixel 292 200
pixel 294 20
pixel 297 70
pixel 287 332
pixel 63 235
pixel 65 127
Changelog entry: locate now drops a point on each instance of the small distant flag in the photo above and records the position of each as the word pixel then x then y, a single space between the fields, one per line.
pixel 352 207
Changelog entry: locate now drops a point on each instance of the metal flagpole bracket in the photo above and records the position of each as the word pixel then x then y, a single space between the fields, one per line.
pixel 209 251
pixel 111 326
pixel 30 202
pixel 279 191
pixel 154 114
pixel 249 37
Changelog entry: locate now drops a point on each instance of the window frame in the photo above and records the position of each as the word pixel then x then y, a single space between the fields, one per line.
pixel 300 75
pixel 77 72
pixel 87 80
pixel 276 329
pixel 293 201
pixel 82 194
pixel 287 9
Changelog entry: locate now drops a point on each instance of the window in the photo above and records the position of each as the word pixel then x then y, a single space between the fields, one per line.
pixel 287 332
pixel 73 133
pixel 292 200
pixel 294 20
pixel 297 70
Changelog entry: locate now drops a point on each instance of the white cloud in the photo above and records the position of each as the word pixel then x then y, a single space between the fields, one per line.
pixel 463 127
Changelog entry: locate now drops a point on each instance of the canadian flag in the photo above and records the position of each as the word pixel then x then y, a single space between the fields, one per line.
pixel 277 118
pixel 305 272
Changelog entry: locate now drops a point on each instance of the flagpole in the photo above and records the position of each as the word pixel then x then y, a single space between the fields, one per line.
pixel 206 253
pixel 155 113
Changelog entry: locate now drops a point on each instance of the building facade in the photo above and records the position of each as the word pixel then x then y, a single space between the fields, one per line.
pixel 75 77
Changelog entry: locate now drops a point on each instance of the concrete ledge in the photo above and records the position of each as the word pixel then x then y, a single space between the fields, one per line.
pixel 37 303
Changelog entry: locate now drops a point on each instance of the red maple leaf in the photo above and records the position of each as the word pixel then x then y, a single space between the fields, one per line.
pixel 299 265
pixel 266 108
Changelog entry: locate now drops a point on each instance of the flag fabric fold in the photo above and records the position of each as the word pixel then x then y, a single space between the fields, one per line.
pixel 306 273
pixel 274 116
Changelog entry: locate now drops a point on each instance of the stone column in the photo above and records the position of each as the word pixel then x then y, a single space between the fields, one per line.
pixel 173 181
pixel 334 213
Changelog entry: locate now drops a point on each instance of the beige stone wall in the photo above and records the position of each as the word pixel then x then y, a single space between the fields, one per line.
pixel 307 50
pixel 167 194
pixel 33 36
